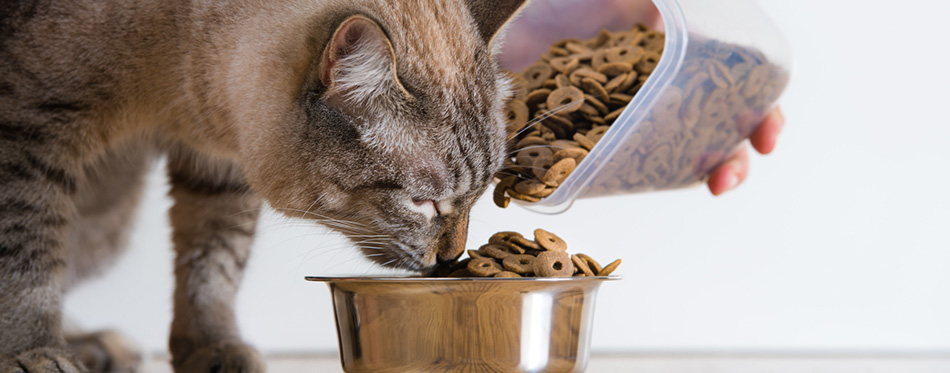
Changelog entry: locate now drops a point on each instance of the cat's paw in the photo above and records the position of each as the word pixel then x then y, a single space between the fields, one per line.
pixel 105 352
pixel 222 358
pixel 42 360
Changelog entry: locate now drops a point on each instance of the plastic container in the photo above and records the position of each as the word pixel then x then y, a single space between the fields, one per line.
pixel 688 116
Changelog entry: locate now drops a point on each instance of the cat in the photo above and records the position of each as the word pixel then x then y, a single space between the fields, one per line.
pixel 381 119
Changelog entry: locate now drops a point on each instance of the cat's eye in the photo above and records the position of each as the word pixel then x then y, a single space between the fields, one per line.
pixel 428 206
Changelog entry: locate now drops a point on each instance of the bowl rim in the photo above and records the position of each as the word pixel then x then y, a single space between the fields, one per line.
pixel 458 279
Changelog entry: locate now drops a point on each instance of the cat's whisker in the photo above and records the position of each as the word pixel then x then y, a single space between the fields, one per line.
pixel 388 263
pixel 515 152
pixel 305 212
pixel 332 222
pixel 311 206
pixel 372 242
pixel 508 174
pixel 256 209
pixel 537 120
pixel 322 250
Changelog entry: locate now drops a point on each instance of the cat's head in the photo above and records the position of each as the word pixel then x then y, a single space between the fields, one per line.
pixel 399 131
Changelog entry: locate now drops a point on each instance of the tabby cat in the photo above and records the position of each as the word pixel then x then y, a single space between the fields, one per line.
pixel 378 118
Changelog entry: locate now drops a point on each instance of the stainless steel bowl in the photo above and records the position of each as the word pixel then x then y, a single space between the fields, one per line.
pixel 464 325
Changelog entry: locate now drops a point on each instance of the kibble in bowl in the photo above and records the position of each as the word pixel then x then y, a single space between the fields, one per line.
pixel 629 108
pixel 512 255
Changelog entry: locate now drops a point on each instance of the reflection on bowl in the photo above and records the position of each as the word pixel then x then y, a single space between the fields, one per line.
pixel 464 324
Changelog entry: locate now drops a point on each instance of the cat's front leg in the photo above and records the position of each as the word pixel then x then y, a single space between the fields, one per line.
pixel 36 208
pixel 213 219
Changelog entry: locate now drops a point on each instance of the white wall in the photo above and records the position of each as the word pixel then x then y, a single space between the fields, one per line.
pixel 837 242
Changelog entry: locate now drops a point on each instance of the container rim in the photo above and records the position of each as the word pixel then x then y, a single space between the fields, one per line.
pixel 677 41
pixel 459 279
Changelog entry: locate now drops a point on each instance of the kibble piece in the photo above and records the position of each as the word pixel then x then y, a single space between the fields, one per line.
pixel 494 251
pixel 597 133
pixel 558 123
pixel 580 266
pixel 517 113
pixel 506 274
pixel 648 63
pixel 654 40
pixel 565 99
pixel 591 263
pixel 586 72
pixel 484 267
pixel 602 38
pixel 559 172
pixel 537 73
pixel 577 154
pixel 599 58
pixel 562 81
pixel 584 141
pixel 541 166
pixel 628 82
pixel 526 243
pixel 595 89
pixel 522 197
pixel 610 268
pixel 564 64
pixel 627 53
pixel 537 96
pixel 577 47
pixel 499 193
pixel 531 141
pixel 615 69
pixel 549 241
pixel 500 237
pixel 531 155
pixel 720 74
pixel 554 264
pixel 520 264
pixel 613 115
pixel 530 187
pixel 597 103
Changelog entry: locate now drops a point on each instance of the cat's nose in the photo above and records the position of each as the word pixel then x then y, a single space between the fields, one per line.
pixel 452 242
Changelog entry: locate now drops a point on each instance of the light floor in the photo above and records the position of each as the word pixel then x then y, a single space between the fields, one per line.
pixel 670 364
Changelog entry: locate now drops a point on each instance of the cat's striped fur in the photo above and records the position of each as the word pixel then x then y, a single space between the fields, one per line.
pixel 379 118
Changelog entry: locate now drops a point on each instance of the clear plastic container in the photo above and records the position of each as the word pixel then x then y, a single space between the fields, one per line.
pixel 723 67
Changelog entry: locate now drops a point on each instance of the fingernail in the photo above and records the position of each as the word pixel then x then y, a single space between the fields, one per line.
pixel 731 181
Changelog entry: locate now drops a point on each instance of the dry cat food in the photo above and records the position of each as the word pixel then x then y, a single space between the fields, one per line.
pixel 565 103
pixel 510 254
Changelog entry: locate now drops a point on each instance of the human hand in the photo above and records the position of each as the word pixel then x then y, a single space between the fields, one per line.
pixel 734 170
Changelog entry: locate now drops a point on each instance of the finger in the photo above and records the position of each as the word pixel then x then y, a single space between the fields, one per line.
pixel 731 173
pixel 765 137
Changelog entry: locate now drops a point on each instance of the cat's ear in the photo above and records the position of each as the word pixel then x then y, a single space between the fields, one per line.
pixel 491 15
pixel 359 61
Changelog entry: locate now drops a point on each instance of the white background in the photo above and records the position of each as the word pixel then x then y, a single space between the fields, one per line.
pixel 838 242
